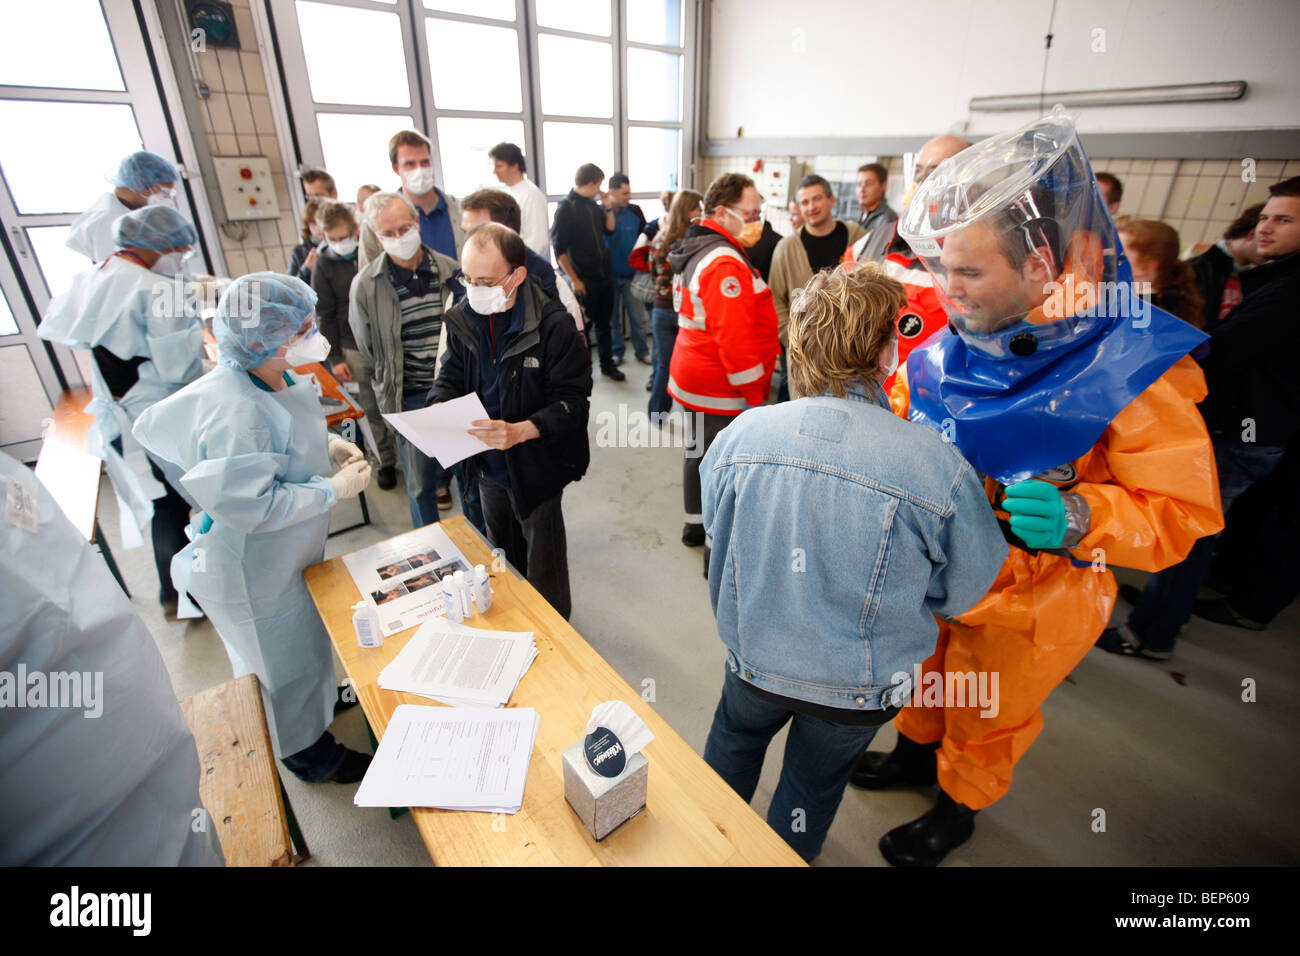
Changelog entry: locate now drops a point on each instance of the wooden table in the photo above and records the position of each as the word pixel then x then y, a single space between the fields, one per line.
pixel 691 818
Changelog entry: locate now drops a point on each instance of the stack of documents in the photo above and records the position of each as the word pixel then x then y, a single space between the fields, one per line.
pixel 459 665
pixel 452 759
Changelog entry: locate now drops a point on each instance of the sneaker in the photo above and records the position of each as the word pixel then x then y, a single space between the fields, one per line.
pixel 614 373
pixel 444 499
pixel 1120 640
pixel 386 478
pixel 1220 612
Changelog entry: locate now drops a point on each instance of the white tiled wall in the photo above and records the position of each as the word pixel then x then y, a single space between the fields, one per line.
pixel 1197 197
pixel 237 121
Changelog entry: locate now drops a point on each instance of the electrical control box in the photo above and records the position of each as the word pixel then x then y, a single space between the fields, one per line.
pixel 774 183
pixel 246 187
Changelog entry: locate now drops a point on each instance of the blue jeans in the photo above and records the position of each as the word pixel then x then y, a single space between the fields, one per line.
pixel 1169 595
pixel 819 756
pixel 664 323
pixel 626 299
pixel 424 476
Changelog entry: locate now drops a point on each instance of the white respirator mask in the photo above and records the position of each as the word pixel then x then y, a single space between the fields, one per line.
pixel 345 248
pixel 405 245
pixel 487 299
pixel 419 180
pixel 171 263
pixel 314 348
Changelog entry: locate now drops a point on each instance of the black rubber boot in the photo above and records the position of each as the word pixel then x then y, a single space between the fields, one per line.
pixel 909 764
pixel 931 837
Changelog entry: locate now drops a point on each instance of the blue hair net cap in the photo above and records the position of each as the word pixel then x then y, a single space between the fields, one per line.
pixel 142 170
pixel 154 227
pixel 257 314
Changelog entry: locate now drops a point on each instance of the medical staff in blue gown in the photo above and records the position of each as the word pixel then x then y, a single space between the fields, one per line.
pixel 97 764
pixel 146 341
pixel 251 442
pixel 142 179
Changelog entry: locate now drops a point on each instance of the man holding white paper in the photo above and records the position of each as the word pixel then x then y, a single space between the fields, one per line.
pixel 518 350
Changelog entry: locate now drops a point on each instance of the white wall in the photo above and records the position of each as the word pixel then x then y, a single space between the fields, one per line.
pixel 910 67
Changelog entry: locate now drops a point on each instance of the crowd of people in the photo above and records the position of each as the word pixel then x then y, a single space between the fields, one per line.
pixel 903 458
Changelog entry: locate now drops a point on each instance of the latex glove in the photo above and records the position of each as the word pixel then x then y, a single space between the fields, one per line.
pixel 343 452
pixel 1037 513
pixel 351 480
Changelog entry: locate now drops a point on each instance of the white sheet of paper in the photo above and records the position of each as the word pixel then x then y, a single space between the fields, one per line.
pixel 441 431
pixel 452 758
pixel 463 666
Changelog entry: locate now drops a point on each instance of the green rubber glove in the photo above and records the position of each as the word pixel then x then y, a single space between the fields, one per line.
pixel 1037 513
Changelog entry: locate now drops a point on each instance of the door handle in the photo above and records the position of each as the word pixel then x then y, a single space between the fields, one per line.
pixel 20 243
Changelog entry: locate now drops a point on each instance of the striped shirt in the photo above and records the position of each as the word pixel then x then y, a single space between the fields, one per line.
pixel 419 294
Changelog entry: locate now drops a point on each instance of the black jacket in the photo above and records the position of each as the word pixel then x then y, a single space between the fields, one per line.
pixel 544 377
pixel 1251 366
pixel 299 256
pixel 579 229
pixel 760 253
pixel 1213 268
pixel 331 280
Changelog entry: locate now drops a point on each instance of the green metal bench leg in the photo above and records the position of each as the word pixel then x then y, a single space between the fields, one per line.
pixel 393 812
pixel 108 558
pixel 301 852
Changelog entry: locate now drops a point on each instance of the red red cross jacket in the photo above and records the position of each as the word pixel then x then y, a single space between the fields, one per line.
pixel 726 325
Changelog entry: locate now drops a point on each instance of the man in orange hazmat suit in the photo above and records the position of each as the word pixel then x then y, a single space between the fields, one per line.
pixel 1076 400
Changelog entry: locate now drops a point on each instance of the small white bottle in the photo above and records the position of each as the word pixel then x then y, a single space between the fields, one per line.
pixel 466 597
pixel 365 621
pixel 451 600
pixel 482 588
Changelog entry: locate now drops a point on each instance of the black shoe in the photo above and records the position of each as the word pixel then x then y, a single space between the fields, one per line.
pixel 1116 641
pixel 707 550
pixel 346 700
pixel 352 769
pixel 931 837
pixel 609 371
pixel 1131 594
pixel 1220 612
pixel 386 479
pixel 909 764
pixel 692 535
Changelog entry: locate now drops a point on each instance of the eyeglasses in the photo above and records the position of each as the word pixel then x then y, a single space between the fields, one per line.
pixel 744 216
pixel 487 283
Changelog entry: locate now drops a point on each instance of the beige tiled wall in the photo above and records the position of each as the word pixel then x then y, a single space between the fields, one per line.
pixel 237 121
pixel 1197 197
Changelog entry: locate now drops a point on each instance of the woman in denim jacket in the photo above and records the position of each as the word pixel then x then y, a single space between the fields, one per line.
pixel 839 532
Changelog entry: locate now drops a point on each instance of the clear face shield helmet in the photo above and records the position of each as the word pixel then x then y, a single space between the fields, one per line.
pixel 1016 234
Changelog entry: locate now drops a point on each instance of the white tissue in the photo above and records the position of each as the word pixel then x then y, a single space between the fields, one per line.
pixel 622 721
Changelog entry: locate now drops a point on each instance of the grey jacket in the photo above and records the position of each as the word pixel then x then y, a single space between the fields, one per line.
pixel 375 316
pixel 369 246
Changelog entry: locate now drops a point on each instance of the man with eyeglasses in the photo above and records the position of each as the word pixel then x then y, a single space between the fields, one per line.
pixel 518 350
pixel 726 344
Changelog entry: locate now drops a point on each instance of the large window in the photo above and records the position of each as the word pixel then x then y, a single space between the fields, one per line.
pixel 570 81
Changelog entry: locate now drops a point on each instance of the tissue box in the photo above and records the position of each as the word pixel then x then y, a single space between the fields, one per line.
pixel 604 803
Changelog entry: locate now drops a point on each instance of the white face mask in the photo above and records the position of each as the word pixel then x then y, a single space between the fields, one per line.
pixel 487 299
pixel 167 198
pixel 889 361
pixel 345 248
pixel 405 245
pixel 314 348
pixel 171 263
pixel 419 180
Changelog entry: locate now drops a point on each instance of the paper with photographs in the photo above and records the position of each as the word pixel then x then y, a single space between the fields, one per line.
pixel 402 577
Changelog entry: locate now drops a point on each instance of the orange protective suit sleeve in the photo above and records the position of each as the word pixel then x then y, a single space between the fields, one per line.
pixel 1150 481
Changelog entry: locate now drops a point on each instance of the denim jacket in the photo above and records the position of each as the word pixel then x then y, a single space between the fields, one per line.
pixel 838 531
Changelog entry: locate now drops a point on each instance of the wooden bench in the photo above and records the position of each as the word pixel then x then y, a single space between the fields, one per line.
pixel 240 786
pixel 71 473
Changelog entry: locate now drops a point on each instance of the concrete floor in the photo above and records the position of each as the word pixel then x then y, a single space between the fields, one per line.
pixel 1186 773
